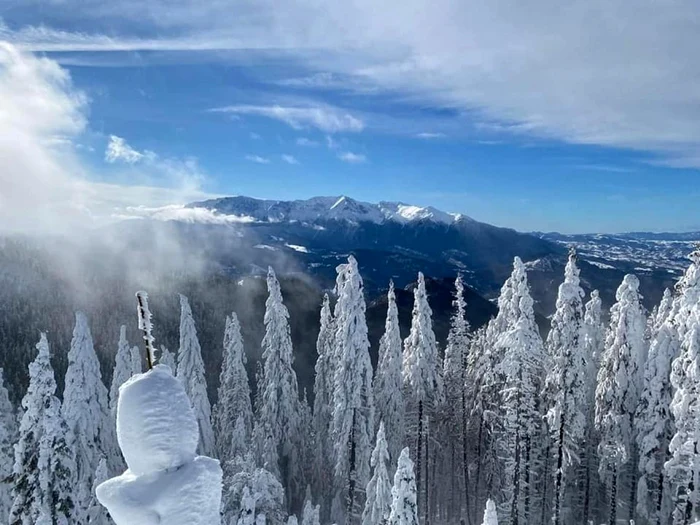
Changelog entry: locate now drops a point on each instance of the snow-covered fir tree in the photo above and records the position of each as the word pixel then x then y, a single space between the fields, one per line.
pixel 593 346
pixel 97 514
pixel 378 503
pixel 279 418
pixel 388 381
pixel 234 392
pixel 404 502
pixel 43 476
pixel 687 295
pixel 422 379
pixel 136 360
pixel 8 437
pixel 565 383
pixel 323 409
pixel 310 514
pixel 86 412
pixel 683 467
pixel 522 371
pixel 353 399
pixel 123 369
pixel 251 492
pixel 617 392
pixel 167 358
pixel 490 514
pixel 455 414
pixel 190 370
pixel 654 426
pixel 663 311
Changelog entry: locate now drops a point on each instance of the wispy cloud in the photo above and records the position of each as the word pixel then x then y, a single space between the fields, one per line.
pixel 428 135
pixel 303 141
pixel 609 168
pixel 119 150
pixel 257 159
pixel 254 136
pixel 290 159
pixel 352 158
pixel 326 118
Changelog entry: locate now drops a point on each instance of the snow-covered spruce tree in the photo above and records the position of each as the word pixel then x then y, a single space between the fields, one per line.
pixel 353 400
pixel 388 381
pixel 43 475
pixel 455 415
pixel 279 419
pixel 310 515
pixel 122 371
pixel 86 412
pixel 167 358
pixel 234 392
pixel 593 347
pixel 323 410
pixel 404 502
pixel 252 491
pixel 683 467
pixel 654 426
pixel 522 371
pixel 378 503
pixel 8 437
pixel 483 394
pixel 663 311
pixel 97 514
pixel 136 361
pixel 490 514
pixel 617 392
pixel 687 295
pixel 565 383
pixel 190 370
pixel 422 379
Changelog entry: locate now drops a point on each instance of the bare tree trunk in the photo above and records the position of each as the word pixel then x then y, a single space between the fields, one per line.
pixel 559 478
pixel 351 473
pixel 612 519
pixel 419 449
pixel 465 457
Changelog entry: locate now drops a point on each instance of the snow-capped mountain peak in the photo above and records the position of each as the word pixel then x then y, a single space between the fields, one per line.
pixel 326 208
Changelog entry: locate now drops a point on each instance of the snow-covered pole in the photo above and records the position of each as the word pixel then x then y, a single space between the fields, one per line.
pixel 145 325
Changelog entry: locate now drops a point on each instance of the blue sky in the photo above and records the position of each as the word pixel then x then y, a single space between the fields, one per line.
pixel 576 121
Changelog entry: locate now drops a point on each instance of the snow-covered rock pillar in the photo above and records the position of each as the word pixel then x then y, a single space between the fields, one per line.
pixel 165 482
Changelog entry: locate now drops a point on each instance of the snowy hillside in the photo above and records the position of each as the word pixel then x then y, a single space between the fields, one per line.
pixel 636 251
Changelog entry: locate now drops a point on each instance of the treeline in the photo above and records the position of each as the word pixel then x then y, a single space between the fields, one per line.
pixel 594 424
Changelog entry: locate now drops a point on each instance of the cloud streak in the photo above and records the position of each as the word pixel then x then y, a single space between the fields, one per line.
pixel 352 158
pixel 257 159
pixel 325 118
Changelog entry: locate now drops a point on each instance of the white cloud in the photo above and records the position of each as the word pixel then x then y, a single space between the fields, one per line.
pixel 181 213
pixel 119 150
pixel 254 136
pixel 352 158
pixel 428 135
pixel 290 159
pixel 325 118
pixel 44 186
pixel 257 159
pixel 303 141
pixel 577 74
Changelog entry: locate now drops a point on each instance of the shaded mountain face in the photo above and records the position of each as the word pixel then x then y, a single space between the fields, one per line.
pixel 390 240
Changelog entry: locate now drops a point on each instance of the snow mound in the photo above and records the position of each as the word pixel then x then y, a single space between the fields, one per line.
pixel 187 495
pixel 156 427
